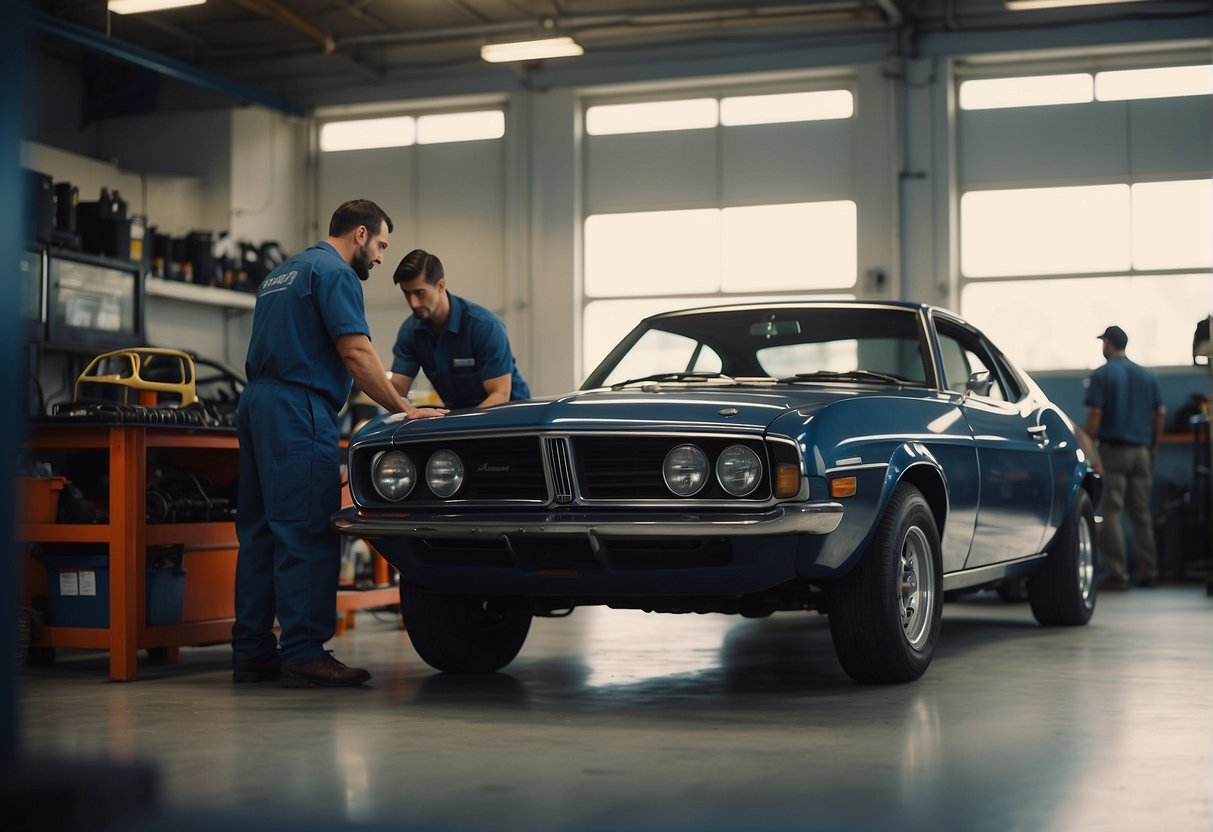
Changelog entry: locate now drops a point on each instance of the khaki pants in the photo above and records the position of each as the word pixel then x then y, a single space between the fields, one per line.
pixel 1128 477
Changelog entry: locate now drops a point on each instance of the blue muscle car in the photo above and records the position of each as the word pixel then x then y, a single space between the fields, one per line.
pixel 859 459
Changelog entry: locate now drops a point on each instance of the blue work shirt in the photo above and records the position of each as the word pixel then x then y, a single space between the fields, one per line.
pixel 471 347
pixel 303 306
pixel 1127 395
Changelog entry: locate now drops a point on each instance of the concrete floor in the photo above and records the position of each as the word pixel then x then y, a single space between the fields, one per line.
pixel 613 720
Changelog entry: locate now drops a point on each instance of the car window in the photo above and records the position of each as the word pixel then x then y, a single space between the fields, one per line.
pixel 790 359
pixel 893 356
pixel 963 353
pixel 664 352
pixel 800 344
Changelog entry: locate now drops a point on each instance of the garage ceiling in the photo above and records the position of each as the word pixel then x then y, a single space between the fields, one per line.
pixel 310 52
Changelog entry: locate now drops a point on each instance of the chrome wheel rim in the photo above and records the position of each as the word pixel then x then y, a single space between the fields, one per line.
pixel 1085 568
pixel 916 588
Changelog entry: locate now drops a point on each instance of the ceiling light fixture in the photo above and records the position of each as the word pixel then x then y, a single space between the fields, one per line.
pixel 1031 5
pixel 141 6
pixel 530 50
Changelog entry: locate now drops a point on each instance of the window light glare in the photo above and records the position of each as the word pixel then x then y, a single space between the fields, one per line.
pixel 1171 224
pixel 1157 82
pixel 141 6
pixel 1156 310
pixel 1030 91
pixel 791 247
pixel 652 116
pixel 366 134
pixel 786 107
pixel 669 253
pixel 460 127
pixel 1030 231
pixel 530 50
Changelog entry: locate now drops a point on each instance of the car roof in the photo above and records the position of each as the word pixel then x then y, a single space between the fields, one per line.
pixel 805 304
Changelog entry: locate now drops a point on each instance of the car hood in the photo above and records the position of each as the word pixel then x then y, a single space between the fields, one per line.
pixel 730 409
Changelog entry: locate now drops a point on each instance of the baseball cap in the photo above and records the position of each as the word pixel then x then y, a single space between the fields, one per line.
pixel 1115 336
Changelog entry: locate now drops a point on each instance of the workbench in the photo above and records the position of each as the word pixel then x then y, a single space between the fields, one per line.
pixel 210 547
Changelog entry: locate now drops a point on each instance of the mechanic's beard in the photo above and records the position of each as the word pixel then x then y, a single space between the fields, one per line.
pixel 362 263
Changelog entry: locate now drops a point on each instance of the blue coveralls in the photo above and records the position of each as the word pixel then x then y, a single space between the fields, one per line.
pixel 472 347
pixel 289 456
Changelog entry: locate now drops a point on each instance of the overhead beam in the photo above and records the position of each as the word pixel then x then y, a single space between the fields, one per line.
pixel 289 17
pixel 162 64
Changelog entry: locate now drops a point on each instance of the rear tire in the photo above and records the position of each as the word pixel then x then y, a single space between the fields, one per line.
pixel 462 633
pixel 1062 591
pixel 885 614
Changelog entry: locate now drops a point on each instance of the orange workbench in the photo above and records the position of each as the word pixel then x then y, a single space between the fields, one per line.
pixel 211 547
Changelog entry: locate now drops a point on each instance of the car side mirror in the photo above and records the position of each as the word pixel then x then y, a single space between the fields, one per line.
pixel 979 383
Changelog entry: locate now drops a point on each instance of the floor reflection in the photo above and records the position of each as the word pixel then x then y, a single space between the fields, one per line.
pixel 614 719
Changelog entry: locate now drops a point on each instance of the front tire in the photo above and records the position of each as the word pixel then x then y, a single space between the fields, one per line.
pixel 462 633
pixel 886 613
pixel 1062 591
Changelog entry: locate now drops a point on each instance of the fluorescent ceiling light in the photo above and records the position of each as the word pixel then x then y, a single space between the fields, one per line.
pixel 140 6
pixel 530 50
pixel 1028 5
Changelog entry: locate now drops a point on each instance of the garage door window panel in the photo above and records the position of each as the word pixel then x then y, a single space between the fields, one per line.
pixel 1029 231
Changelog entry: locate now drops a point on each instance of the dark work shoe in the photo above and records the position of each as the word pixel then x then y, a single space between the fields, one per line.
pixel 1147 582
pixel 1113 584
pixel 325 671
pixel 256 670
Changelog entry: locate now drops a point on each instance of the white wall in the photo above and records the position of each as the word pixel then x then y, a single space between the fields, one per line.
pixel 267 185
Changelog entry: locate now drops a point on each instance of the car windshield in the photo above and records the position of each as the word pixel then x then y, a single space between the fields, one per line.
pixel 789 344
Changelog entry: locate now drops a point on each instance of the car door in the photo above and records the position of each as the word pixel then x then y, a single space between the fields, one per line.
pixel 1016 484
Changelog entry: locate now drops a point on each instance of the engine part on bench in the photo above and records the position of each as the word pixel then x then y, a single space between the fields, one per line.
pixel 186 498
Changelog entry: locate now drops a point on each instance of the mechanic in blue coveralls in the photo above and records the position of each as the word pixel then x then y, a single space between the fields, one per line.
pixel 461 345
pixel 309 339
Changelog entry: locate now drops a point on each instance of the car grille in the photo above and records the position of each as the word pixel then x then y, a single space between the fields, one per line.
pixel 627 467
pixel 495 469
pixel 561 469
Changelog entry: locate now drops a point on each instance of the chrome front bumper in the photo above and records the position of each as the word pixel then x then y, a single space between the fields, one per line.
pixel 795 518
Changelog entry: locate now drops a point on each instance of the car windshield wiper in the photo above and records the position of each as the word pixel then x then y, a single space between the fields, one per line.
pixel 685 375
pixel 846 375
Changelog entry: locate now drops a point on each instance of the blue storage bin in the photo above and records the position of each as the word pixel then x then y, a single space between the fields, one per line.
pixel 78 592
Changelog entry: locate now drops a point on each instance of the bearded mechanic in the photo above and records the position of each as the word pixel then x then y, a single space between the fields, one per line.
pixel 310 339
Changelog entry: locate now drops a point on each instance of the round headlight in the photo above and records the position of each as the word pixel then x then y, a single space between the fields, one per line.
pixel 444 473
pixel 393 475
pixel 738 470
pixel 685 470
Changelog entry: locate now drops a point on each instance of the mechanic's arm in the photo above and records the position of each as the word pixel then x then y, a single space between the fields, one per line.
pixel 401 382
pixel 497 390
pixel 1094 417
pixel 364 365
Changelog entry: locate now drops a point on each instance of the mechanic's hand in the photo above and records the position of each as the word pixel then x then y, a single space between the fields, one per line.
pixel 425 412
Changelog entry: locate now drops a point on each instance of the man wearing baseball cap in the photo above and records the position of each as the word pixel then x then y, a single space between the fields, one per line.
pixel 1125 418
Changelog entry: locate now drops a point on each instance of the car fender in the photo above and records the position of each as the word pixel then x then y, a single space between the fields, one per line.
pixel 836 554
pixel 1084 478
